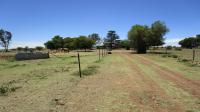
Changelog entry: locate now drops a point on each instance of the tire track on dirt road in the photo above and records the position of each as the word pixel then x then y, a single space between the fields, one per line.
pixel 119 86
pixel 156 95
pixel 193 87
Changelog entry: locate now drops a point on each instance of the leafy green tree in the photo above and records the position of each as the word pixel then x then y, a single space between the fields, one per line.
pixel 158 31
pixel 198 39
pixel 125 44
pixel 83 42
pixel 26 48
pixel 39 48
pixel 69 43
pixel 138 35
pixel 190 42
pixel 20 48
pixel 142 37
pixel 95 37
pixel 169 47
pixel 55 43
pixel 50 45
pixel 58 42
pixel 111 38
pixel 5 38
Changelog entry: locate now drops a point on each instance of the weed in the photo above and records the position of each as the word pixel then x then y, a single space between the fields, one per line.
pixel 7 88
pixel 4 90
pixel 90 70
pixel 174 56
pixel 75 62
pixel 73 56
pixel 13 89
pixel 98 61
pixel 178 49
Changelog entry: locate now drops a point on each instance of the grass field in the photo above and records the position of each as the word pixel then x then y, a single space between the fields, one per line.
pixel 120 82
pixel 183 54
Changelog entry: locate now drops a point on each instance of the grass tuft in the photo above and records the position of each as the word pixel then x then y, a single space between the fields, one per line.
pixel 90 70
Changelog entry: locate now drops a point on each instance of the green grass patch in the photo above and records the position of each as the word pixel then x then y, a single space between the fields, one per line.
pixel 90 70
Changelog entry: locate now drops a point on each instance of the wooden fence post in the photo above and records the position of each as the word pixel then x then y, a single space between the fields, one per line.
pixel 193 57
pixel 79 63
pixel 102 52
pixel 99 55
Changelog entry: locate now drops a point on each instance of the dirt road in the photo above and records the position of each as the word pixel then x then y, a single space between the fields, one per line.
pixel 130 82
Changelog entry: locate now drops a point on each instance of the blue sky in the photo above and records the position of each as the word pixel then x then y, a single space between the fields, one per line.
pixel 33 22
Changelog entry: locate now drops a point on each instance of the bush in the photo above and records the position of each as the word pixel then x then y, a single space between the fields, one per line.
pixel 174 56
pixel 4 90
pixel 19 48
pixel 39 48
pixel 178 48
pixel 169 47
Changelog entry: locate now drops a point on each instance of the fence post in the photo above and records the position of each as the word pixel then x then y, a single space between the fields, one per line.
pixel 79 63
pixel 99 54
pixel 193 57
pixel 102 52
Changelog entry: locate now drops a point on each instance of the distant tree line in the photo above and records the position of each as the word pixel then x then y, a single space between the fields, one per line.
pixel 81 42
pixel 85 42
pixel 27 49
pixel 190 42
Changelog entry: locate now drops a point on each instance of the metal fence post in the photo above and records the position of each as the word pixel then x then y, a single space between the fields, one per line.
pixel 79 63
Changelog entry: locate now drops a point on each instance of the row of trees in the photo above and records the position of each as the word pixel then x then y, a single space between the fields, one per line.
pixel 5 38
pixel 190 42
pixel 81 42
pixel 142 36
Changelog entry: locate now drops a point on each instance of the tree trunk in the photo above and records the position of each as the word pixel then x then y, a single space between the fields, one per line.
pixel 142 50
pixel 6 48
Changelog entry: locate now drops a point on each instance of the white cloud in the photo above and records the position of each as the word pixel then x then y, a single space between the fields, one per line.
pixel 172 42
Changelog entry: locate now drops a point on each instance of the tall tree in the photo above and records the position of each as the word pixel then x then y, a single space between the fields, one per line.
pixel 138 35
pixel 95 37
pixel 58 42
pixel 198 39
pixel 190 42
pixel 69 43
pixel 158 31
pixel 83 42
pixel 49 45
pixel 111 38
pixel 142 37
pixel 55 43
pixel 5 38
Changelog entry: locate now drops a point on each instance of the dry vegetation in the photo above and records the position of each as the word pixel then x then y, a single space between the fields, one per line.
pixel 120 82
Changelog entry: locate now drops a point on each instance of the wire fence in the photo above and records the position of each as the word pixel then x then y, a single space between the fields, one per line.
pixel 180 53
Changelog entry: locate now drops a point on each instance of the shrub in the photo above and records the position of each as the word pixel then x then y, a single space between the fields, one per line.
pixel 169 47
pixel 4 90
pixel 19 48
pixel 178 48
pixel 174 56
pixel 39 48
